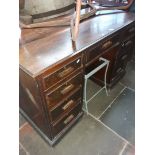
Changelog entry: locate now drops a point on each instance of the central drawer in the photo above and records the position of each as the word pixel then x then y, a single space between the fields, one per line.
pixel 64 91
pixel 94 52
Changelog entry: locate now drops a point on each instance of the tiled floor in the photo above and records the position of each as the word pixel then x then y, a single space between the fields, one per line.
pixel 120 117
pixel 100 103
pixel 22 120
pixel 129 79
pixel 108 130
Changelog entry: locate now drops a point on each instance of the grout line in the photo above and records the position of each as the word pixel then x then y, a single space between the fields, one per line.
pixel 122 84
pixel 126 86
pixel 22 126
pixel 111 103
pixel 110 129
pixel 124 147
pixel 117 134
pixel 27 153
pixel 95 94
pixel 101 89
pixel 131 89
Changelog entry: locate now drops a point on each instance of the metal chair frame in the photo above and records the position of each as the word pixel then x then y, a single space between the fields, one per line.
pixel 87 76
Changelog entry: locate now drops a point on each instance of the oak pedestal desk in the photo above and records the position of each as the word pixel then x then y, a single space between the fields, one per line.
pixel 52 70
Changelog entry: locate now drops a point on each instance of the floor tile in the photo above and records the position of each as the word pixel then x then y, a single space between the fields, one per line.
pixel 99 103
pixel 87 137
pixel 129 150
pixel 121 116
pixel 92 88
pixel 129 78
pixel 21 120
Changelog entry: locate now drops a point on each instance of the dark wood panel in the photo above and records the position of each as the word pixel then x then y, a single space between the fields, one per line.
pixel 69 103
pixel 101 47
pixel 109 55
pixel 31 103
pixel 129 31
pixel 55 77
pixel 65 121
pixel 63 91
pixel 129 47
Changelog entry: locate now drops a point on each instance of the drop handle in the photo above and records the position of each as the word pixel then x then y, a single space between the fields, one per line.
pixel 68 104
pixel 67 89
pixel 107 44
pixel 122 44
pixel 65 72
pixel 68 119
pixel 124 57
pixel 132 29
pixel 118 70
pixel 128 43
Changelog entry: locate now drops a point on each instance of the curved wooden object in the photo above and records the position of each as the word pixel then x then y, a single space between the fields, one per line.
pixel 46 24
pixel 21 4
pixel 75 20
pixel 59 22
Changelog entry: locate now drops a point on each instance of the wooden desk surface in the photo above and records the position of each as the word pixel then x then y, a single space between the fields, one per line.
pixel 54 44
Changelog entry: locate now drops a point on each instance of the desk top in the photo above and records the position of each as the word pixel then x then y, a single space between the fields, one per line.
pixel 44 47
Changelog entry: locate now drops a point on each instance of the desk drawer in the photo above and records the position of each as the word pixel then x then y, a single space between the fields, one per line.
pixel 129 46
pixel 117 77
pixel 122 58
pixel 129 31
pixel 55 77
pixel 65 121
pixel 118 69
pixel 94 52
pixel 68 104
pixel 110 42
pixel 64 91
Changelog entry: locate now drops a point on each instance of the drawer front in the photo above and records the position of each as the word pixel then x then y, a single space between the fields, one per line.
pixel 68 104
pixel 119 67
pixel 59 75
pixel 64 91
pixel 129 46
pixel 92 53
pixel 98 50
pixel 117 77
pixel 122 59
pixel 110 42
pixel 64 122
pixel 110 55
pixel 118 70
pixel 129 31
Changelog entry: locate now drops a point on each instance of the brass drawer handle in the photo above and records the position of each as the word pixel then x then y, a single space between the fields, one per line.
pixel 118 70
pixel 67 89
pixel 65 72
pixel 124 57
pixel 131 30
pixel 123 44
pixel 68 119
pixel 128 43
pixel 67 104
pixel 107 44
